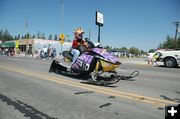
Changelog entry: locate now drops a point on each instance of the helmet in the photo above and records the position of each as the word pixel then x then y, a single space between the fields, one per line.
pixel 79 31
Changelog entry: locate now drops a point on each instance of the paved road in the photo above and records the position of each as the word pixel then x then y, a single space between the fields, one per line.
pixel 28 91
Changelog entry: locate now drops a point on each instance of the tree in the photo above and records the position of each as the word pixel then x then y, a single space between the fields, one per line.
pixel 15 38
pixel 68 38
pixel 7 36
pixel 39 35
pixel 160 45
pixel 151 50
pixel 124 49
pixel 50 37
pixel 19 36
pixel 1 34
pixel 43 36
pixel 107 47
pixel 34 36
pixel 178 42
pixel 27 35
pixel 142 52
pixel 169 43
pixel 134 50
pixel 22 37
pixel 55 37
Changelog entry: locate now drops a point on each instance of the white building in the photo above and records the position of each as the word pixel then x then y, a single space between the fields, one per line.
pixel 34 44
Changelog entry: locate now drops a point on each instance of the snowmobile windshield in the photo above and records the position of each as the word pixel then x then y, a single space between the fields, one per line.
pixel 106 55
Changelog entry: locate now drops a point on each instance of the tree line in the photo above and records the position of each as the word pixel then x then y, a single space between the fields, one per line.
pixel 169 43
pixel 133 50
pixel 6 36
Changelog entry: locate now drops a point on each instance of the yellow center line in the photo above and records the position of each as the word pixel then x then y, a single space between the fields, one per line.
pixel 104 90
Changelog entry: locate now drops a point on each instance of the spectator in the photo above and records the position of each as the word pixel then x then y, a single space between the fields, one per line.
pixel 45 52
pixel 155 57
pixel 54 52
pixel 39 53
pixel 150 59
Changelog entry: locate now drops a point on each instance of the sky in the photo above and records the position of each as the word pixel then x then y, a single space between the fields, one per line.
pixel 127 23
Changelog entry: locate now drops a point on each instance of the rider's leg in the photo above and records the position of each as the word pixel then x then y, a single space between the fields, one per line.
pixel 75 54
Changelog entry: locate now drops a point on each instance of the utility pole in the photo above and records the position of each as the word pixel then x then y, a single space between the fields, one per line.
pixel 99 33
pixel 175 37
pixel 62 24
pixel 89 33
pixel 62 15
pixel 27 44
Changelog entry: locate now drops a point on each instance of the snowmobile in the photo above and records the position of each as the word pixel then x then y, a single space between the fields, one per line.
pixel 91 64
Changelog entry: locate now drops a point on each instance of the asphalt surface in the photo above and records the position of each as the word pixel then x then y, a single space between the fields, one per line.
pixel 29 91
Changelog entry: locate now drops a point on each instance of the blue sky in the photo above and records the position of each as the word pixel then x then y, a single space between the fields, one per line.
pixel 140 23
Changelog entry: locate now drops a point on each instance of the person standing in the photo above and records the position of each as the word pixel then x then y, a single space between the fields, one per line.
pixel 155 57
pixel 150 59
pixel 45 52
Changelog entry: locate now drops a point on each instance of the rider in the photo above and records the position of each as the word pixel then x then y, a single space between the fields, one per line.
pixel 78 40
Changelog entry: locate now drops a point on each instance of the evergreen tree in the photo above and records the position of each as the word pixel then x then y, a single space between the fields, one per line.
pixel 34 36
pixel 178 42
pixel 169 43
pixel 43 36
pixel 19 36
pixel 1 34
pixel 50 37
pixel 55 37
pixel 27 36
pixel 39 35
pixel 15 38
pixel 7 36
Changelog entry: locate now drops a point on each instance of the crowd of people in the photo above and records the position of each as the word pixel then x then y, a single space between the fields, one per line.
pixel 41 53
pixel 46 53
pixel 8 51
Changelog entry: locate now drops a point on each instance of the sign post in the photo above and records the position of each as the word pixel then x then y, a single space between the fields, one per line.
pixel 99 22
pixel 61 37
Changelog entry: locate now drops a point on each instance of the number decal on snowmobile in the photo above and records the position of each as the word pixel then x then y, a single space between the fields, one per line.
pixel 83 65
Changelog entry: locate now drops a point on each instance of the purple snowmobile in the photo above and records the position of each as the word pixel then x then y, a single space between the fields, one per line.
pixel 91 64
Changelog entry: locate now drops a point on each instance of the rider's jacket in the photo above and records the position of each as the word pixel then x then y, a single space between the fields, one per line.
pixel 77 41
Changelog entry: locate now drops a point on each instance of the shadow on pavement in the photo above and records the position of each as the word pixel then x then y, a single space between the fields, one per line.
pixel 171 99
pixel 26 109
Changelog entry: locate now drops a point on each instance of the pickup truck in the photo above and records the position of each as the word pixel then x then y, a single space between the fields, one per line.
pixel 171 58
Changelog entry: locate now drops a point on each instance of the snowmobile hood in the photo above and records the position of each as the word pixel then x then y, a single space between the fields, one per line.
pixel 106 55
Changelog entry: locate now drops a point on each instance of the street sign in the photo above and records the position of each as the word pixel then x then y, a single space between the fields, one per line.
pixel 62 36
pixel 99 22
pixel 61 41
pixel 99 18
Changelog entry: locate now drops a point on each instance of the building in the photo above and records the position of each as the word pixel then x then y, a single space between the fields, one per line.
pixel 34 44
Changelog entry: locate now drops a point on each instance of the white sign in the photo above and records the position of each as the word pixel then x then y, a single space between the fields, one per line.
pixel 99 18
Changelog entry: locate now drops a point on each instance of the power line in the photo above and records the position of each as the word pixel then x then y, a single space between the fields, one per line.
pixel 62 14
